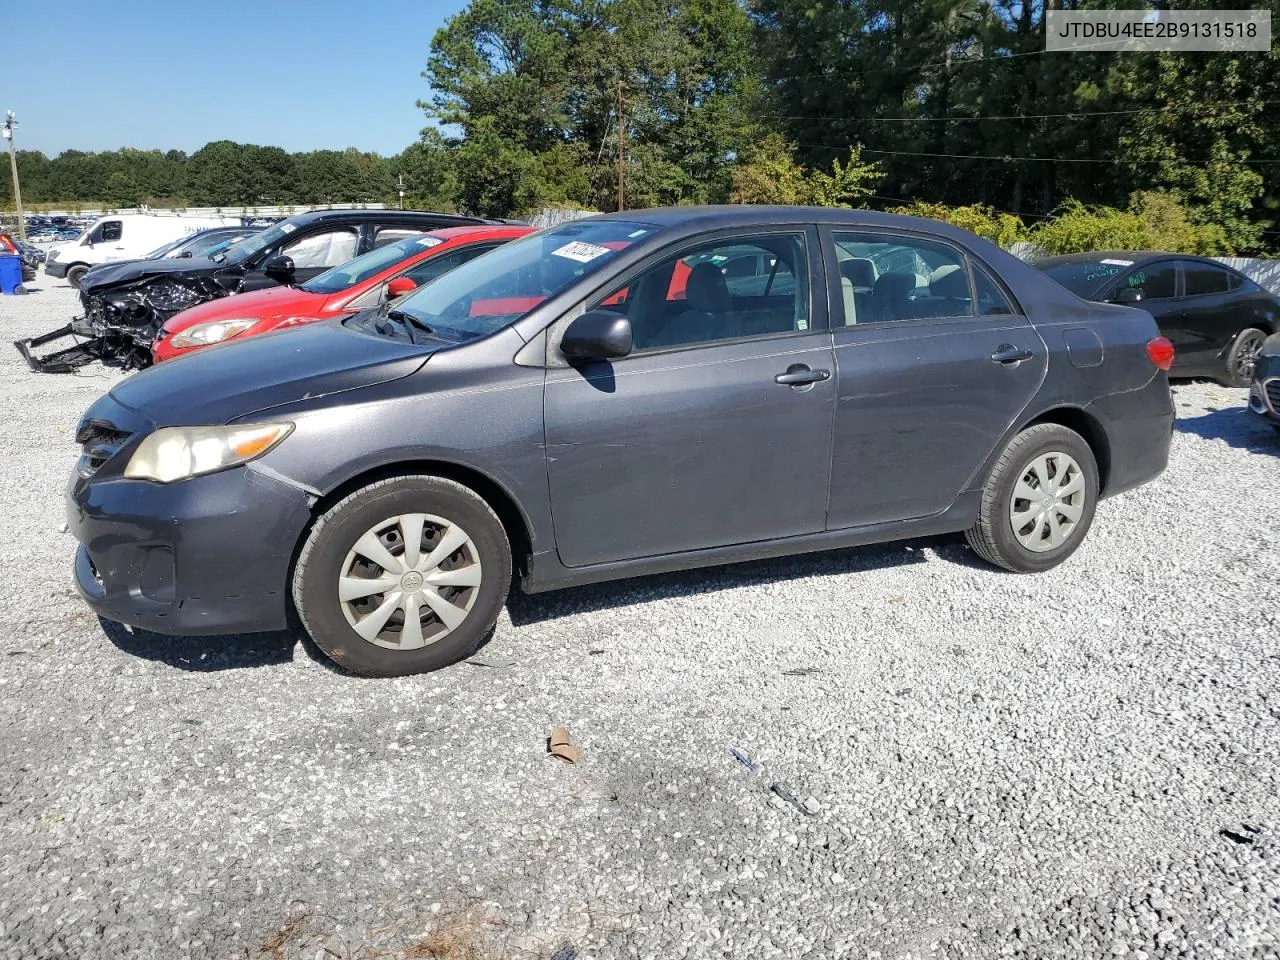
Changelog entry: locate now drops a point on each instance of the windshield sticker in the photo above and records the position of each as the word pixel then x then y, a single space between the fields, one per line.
pixel 581 251
pixel 1118 263
pixel 636 233
pixel 429 241
pixel 288 227
pixel 1102 274
pixel 1138 279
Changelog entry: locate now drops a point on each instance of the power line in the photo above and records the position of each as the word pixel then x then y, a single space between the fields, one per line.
pixel 1009 159
pixel 1009 116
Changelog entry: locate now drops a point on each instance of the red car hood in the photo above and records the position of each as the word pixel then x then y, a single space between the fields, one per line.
pixel 259 304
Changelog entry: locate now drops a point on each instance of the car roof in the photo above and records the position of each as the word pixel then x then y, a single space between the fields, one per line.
pixel 481 231
pixel 385 216
pixel 732 215
pixel 1133 256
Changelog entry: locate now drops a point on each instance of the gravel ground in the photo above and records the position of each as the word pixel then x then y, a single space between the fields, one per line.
pixel 1077 764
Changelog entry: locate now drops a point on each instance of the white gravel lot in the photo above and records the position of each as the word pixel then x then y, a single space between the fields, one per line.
pixel 1079 764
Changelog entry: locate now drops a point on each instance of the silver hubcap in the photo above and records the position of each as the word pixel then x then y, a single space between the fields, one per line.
pixel 1047 502
pixel 409 581
pixel 1247 357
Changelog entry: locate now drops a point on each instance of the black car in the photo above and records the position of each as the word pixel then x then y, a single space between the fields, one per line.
pixel 1264 392
pixel 126 304
pixel 602 400
pixel 1216 317
pixel 186 247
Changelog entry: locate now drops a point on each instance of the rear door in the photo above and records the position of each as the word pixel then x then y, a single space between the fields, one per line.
pixel 716 429
pixel 1208 315
pixel 934 360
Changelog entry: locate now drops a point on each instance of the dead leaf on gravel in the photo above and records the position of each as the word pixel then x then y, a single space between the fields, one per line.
pixel 560 747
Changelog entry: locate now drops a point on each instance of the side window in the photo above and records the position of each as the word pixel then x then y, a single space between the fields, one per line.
pixel 434 267
pixel 991 299
pixel 1235 281
pixel 1159 281
pixel 887 277
pixel 693 298
pixel 111 230
pixel 384 235
pixel 326 249
pixel 1201 279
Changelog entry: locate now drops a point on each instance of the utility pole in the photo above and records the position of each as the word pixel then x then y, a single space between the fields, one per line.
pixel 13 167
pixel 622 150
pixel 400 189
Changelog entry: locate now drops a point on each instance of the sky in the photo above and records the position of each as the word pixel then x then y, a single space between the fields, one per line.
pixel 297 74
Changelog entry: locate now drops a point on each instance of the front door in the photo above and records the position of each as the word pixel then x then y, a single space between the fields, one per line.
pixel 934 363
pixel 312 254
pixel 716 430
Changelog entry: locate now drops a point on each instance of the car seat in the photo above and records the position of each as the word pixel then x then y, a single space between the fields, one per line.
pixel 857 282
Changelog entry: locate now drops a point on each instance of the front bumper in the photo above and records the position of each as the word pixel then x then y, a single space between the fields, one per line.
pixel 206 555
pixel 1264 397
pixel 55 269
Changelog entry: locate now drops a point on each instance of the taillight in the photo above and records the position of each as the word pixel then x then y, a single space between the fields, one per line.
pixel 1160 350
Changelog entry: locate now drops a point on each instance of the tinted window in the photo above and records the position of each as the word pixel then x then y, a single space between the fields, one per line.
pixel 1200 279
pixel 350 272
pixel 1159 281
pixel 327 249
pixel 692 298
pixel 434 267
pixel 991 299
pixel 111 230
pixel 384 235
pixel 908 279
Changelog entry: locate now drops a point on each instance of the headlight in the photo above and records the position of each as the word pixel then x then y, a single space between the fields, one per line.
pixel 178 453
pixel 203 334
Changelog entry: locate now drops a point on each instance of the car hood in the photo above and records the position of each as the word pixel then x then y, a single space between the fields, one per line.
pixel 255 305
pixel 132 271
pixel 240 378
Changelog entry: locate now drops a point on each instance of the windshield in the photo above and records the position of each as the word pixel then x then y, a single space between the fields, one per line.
pixel 1086 277
pixel 347 275
pixel 492 291
pixel 159 252
pixel 249 246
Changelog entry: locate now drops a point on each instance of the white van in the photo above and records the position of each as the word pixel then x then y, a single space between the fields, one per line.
pixel 126 236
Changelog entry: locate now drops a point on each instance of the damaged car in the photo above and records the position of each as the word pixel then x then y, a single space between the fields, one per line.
pixel 126 305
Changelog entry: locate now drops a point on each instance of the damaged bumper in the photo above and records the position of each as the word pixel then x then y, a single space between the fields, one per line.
pixel 120 324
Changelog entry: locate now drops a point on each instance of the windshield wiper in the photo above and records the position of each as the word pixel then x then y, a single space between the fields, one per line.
pixel 409 320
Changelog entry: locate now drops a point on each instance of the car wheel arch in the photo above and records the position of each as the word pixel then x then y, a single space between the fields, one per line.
pixel 1089 427
pixel 515 521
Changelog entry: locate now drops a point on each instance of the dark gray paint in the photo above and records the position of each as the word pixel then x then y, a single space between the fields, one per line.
pixel 657 461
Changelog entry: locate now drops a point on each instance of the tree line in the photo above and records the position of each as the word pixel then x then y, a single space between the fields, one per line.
pixel 946 106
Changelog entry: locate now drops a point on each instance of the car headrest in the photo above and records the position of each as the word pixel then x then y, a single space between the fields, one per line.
pixel 860 272
pixel 950 281
pixel 895 286
pixel 706 289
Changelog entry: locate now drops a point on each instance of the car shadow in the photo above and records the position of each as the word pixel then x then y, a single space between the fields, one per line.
pixel 526 609
pixel 213 653
pixel 203 654
pixel 1235 426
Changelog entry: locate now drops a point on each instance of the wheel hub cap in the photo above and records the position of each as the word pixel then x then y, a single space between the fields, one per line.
pixel 409 581
pixel 1047 502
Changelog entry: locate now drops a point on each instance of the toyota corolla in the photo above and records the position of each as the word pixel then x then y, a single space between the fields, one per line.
pixel 562 411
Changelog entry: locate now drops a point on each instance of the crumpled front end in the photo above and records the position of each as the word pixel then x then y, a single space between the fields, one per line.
pixel 122 321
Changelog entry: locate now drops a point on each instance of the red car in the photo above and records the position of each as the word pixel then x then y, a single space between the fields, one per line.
pixel 367 281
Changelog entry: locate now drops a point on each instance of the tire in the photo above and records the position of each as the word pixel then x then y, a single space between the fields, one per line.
pixel 1035 457
pixel 380 514
pixel 1241 357
pixel 76 274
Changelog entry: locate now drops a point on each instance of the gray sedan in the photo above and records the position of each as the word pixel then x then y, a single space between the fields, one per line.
pixel 622 395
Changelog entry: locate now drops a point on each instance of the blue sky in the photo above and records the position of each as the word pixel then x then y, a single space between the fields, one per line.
pixel 299 74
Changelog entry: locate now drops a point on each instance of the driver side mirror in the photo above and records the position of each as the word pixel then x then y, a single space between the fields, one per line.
pixel 399 286
pixel 1127 295
pixel 597 335
pixel 279 268
pixel 185 255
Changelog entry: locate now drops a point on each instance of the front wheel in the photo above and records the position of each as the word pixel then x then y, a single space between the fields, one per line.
pixel 1039 501
pixel 1243 355
pixel 403 576
pixel 76 274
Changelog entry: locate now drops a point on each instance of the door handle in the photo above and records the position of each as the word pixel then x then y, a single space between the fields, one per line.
pixel 798 375
pixel 1010 355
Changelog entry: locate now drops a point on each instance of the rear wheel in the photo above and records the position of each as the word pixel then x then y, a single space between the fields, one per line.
pixel 1243 355
pixel 76 274
pixel 1039 501
pixel 403 576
